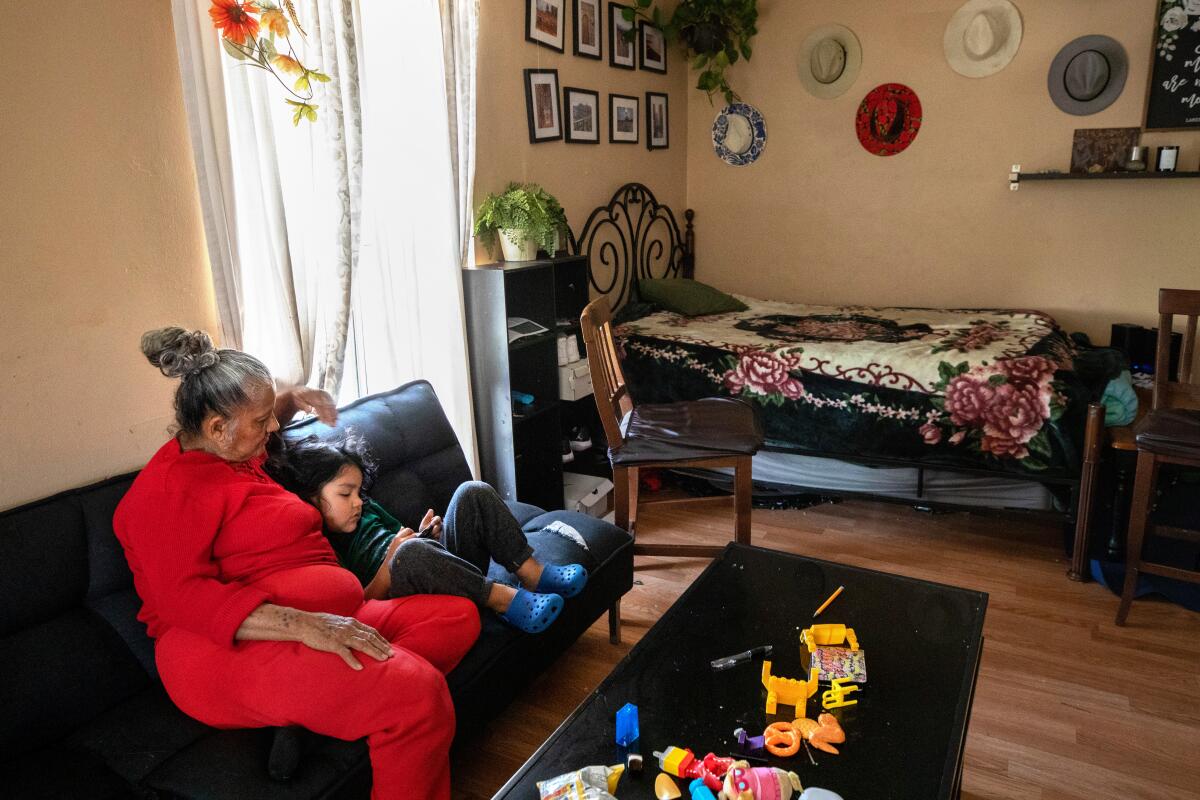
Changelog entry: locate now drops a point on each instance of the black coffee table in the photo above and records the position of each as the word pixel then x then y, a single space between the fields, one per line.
pixel 905 737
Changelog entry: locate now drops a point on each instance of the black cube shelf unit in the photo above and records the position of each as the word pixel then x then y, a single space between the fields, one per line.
pixel 520 444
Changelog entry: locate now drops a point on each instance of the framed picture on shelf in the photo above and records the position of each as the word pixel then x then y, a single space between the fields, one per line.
pixel 653 47
pixel 622 119
pixel 587 28
pixel 1102 149
pixel 583 115
pixel 545 22
pixel 657 122
pixel 620 47
pixel 541 105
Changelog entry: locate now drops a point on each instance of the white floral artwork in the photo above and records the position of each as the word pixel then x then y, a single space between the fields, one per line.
pixel 1192 7
pixel 1175 19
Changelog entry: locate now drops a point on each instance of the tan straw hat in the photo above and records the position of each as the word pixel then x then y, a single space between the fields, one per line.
pixel 982 37
pixel 829 60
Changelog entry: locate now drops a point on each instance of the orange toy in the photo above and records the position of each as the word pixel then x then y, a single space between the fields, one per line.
pixel 822 734
pixel 782 739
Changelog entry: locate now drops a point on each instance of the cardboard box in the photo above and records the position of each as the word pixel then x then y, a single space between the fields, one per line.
pixel 575 380
pixel 587 494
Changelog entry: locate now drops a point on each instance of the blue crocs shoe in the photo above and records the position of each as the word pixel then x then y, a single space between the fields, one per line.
pixel 565 579
pixel 533 612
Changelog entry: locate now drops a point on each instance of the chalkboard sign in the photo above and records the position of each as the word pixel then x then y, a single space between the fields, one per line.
pixel 1173 100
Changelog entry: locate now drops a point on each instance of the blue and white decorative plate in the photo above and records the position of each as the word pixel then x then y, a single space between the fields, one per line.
pixel 739 134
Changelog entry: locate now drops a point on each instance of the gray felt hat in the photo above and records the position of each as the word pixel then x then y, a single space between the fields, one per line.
pixel 1088 75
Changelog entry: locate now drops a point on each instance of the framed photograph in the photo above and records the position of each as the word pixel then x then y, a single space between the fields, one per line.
pixel 541 104
pixel 1102 149
pixel 545 22
pixel 587 28
pixel 583 115
pixel 657 122
pixel 653 47
pixel 620 48
pixel 622 119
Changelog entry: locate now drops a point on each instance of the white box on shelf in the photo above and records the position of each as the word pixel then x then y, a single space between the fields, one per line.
pixel 587 494
pixel 575 380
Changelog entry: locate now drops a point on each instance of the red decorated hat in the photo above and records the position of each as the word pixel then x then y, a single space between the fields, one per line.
pixel 888 119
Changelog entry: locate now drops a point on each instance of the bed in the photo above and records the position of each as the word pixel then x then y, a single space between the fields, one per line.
pixel 909 401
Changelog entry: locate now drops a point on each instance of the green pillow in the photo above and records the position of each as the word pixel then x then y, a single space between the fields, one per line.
pixel 687 297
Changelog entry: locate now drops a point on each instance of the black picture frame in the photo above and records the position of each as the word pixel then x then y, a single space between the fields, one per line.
pixel 615 23
pixel 577 31
pixel 552 96
pixel 530 11
pixel 644 29
pixel 568 120
pixel 613 119
pixel 650 138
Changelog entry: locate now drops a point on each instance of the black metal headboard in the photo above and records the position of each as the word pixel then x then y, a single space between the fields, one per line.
pixel 634 237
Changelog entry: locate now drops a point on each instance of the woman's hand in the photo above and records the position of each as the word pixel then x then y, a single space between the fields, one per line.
pixel 328 633
pixel 311 401
pixel 331 633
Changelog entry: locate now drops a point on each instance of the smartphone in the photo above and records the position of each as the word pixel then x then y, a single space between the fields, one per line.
pixel 427 532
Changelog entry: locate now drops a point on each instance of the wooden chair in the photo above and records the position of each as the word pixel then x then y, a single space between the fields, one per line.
pixel 710 433
pixel 1169 434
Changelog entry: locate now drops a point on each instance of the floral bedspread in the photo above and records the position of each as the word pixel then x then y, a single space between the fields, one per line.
pixel 986 389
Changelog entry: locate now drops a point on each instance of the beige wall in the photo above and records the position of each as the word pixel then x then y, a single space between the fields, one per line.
pixel 582 176
pixel 818 219
pixel 100 238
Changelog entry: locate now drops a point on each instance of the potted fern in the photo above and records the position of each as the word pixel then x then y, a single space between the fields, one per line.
pixel 525 218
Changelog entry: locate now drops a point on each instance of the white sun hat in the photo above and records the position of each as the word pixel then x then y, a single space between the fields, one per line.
pixel 829 60
pixel 982 37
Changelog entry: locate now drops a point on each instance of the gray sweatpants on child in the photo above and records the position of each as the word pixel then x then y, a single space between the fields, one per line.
pixel 477 528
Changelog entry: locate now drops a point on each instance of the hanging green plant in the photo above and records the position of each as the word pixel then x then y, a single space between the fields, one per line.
pixel 716 33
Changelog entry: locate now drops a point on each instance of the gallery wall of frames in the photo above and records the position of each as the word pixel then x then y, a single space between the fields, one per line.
pixel 594 29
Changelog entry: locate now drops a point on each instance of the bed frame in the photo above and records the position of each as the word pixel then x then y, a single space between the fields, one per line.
pixel 634 237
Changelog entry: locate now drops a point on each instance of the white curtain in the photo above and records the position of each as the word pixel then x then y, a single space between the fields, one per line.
pixel 408 307
pixel 340 244
pixel 281 202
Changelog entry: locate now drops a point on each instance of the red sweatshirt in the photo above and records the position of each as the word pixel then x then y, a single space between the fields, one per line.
pixel 198 531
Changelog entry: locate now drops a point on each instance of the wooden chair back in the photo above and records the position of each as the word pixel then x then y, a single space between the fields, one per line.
pixel 608 381
pixel 1183 393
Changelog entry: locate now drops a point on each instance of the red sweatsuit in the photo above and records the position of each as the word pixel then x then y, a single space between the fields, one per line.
pixel 208 541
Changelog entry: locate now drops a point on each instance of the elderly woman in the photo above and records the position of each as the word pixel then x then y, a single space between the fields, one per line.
pixel 254 622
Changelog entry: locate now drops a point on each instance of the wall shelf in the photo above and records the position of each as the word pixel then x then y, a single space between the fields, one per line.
pixel 1016 177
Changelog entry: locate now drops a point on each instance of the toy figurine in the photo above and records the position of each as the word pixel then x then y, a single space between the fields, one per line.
pixel 744 782
pixel 682 763
pixel 822 734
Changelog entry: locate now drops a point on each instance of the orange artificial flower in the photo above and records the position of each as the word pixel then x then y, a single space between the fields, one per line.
pixel 235 19
pixel 287 64
pixel 274 21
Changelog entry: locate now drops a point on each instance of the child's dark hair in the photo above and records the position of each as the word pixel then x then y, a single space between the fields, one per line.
pixel 305 465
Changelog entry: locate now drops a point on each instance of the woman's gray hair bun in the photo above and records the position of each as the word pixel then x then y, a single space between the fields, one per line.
pixel 179 353
pixel 213 381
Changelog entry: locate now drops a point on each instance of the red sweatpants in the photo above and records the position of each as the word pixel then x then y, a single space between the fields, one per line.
pixel 401 705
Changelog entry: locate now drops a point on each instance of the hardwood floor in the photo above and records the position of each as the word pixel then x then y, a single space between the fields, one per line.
pixel 1067 706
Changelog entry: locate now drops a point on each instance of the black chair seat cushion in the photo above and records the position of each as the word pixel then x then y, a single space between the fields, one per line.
pixel 1170 432
pixel 693 429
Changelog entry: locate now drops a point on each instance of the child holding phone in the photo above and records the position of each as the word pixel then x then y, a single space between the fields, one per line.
pixel 448 556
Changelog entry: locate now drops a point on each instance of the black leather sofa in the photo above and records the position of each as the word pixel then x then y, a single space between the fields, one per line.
pixel 82 714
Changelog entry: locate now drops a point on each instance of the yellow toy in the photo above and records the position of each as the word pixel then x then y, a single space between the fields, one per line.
pixel 788 691
pixel 819 635
pixel 836 696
